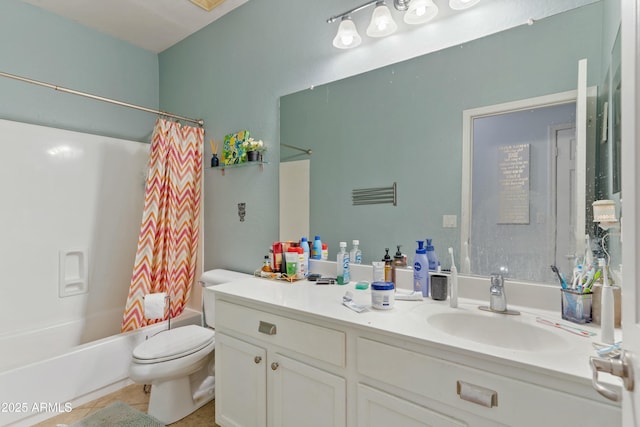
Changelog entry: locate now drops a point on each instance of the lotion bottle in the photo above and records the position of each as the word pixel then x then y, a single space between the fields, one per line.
pixel 304 244
pixel 398 261
pixel 387 265
pixel 316 250
pixel 421 270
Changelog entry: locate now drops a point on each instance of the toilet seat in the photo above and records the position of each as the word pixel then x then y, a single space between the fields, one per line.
pixel 173 344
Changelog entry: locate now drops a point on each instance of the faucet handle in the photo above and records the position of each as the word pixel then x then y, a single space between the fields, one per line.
pixel 497 279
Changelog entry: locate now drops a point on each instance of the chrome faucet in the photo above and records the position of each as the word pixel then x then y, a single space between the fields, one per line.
pixel 497 296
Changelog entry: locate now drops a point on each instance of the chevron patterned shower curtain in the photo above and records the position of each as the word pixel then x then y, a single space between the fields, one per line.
pixel 168 241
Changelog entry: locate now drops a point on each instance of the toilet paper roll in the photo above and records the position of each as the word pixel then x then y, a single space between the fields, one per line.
pixel 154 305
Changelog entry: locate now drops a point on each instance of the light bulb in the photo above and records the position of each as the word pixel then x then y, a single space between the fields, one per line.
pixel 347 36
pixel 382 23
pixel 346 39
pixel 420 11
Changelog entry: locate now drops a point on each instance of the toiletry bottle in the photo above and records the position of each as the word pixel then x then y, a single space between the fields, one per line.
pixel 316 250
pixel 301 268
pixel 421 270
pixel 325 252
pixel 398 261
pixel 607 316
pixel 304 244
pixel 355 255
pixel 266 267
pixel 291 262
pixel 342 262
pixel 431 255
pixel 387 266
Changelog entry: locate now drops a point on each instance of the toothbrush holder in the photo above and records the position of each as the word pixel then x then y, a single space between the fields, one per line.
pixel 576 306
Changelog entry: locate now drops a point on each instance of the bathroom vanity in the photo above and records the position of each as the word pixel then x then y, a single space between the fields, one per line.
pixel 292 355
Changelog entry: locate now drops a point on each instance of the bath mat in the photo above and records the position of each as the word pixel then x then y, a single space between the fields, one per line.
pixel 118 414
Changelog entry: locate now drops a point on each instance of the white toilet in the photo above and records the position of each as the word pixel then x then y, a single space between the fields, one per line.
pixel 178 363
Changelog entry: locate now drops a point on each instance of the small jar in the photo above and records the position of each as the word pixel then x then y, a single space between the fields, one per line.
pixel 382 295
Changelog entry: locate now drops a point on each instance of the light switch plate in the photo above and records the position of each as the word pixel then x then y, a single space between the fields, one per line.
pixel 449 221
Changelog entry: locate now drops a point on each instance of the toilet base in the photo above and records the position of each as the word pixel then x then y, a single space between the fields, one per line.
pixel 173 400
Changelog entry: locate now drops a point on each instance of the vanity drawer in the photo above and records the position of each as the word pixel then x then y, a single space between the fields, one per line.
pixel 305 338
pixel 516 403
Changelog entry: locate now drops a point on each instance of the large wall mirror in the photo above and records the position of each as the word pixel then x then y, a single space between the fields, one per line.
pixel 403 123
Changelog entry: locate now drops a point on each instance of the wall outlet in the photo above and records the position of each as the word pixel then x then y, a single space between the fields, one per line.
pixel 449 221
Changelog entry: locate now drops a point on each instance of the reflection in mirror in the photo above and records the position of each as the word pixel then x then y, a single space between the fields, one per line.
pixel 521 187
pixel 403 123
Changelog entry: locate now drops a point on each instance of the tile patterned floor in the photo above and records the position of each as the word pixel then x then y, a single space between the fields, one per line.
pixel 135 396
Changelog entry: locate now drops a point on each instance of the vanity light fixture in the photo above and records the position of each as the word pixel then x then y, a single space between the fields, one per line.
pixel 382 23
pixel 462 4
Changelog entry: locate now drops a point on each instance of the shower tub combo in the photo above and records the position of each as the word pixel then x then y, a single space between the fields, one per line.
pixel 72 203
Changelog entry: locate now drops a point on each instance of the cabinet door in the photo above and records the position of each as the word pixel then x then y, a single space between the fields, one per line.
pixel 241 389
pixel 379 409
pixel 301 395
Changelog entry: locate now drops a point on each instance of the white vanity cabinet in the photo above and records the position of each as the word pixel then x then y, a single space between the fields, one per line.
pixel 275 371
pixel 452 394
pixel 292 355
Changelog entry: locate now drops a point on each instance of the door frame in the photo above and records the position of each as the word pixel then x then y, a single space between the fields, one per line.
pixel 630 38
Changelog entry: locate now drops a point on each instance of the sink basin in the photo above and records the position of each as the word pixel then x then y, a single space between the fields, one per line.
pixel 511 332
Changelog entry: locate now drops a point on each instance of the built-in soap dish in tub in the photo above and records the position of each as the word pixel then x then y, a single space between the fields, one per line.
pixel 72 273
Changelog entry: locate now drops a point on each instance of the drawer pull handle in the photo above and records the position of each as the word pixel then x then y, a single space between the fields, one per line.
pixel 476 394
pixel 274 366
pixel 257 359
pixel 267 328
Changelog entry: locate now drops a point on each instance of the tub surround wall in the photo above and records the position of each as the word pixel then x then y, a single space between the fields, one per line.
pixel 67 191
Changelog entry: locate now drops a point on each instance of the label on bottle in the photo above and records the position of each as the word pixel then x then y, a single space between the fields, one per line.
pixel 343 268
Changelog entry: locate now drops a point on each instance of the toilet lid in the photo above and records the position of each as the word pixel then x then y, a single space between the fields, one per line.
pixel 174 343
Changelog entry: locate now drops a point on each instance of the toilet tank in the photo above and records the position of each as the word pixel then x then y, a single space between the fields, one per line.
pixel 213 278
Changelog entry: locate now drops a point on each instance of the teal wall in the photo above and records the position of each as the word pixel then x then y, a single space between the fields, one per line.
pixel 42 46
pixel 233 73
pixel 403 123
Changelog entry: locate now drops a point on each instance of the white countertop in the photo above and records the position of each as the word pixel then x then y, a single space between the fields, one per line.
pixel 408 319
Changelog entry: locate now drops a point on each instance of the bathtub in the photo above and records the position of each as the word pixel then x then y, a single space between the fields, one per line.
pixel 45 372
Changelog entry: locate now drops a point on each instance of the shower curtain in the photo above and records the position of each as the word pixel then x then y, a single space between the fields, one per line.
pixel 168 241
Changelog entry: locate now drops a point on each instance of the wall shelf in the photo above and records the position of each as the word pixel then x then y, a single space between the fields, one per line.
pixel 222 168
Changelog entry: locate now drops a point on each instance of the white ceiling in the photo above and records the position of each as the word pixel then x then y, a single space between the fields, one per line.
pixel 154 25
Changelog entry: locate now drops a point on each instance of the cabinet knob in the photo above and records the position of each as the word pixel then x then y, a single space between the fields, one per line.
pixel 257 359
pixel 274 366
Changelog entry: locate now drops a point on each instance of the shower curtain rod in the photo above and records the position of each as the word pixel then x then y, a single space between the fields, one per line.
pixel 200 122
pixel 307 150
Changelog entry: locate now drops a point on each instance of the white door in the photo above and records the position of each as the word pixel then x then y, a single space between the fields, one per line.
pixel 563 138
pixel 630 187
pixel 302 395
pixel 241 390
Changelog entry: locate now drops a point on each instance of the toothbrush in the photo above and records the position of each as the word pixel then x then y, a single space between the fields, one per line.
pixel 453 300
pixel 466 266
